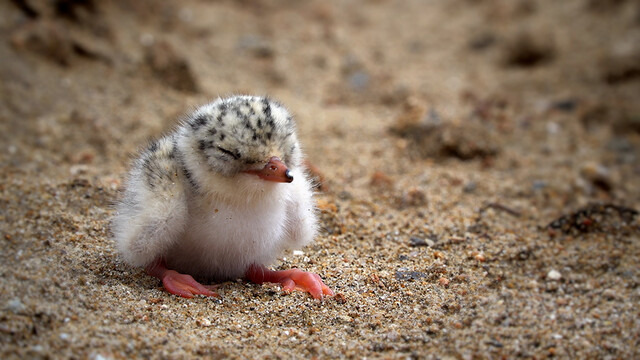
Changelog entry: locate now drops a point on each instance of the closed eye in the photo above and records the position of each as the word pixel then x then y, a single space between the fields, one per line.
pixel 236 156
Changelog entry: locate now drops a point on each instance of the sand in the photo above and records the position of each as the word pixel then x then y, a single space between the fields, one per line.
pixel 480 164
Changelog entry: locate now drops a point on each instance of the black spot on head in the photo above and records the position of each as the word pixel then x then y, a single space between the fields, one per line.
pixel 146 164
pixel 269 135
pixel 213 131
pixel 270 122
pixel 153 147
pixel 259 123
pixel 222 136
pixel 198 122
pixel 221 116
pixel 202 145
pixel 266 108
pixel 254 137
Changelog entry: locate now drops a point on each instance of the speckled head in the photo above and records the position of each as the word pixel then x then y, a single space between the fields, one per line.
pixel 243 133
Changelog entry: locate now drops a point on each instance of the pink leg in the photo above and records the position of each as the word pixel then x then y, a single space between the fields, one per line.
pixel 178 284
pixel 292 279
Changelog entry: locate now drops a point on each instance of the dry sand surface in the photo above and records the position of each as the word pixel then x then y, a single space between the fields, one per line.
pixel 480 165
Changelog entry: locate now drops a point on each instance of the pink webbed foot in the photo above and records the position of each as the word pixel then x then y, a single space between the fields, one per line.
pixel 292 279
pixel 184 285
pixel 179 284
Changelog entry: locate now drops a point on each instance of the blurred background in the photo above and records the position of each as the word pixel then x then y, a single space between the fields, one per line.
pixel 84 82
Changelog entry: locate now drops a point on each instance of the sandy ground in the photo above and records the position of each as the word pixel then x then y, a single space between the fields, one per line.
pixel 480 161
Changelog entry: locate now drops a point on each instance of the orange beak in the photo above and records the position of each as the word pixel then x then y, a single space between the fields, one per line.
pixel 275 171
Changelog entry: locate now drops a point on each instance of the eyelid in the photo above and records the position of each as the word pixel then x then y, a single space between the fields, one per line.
pixel 230 153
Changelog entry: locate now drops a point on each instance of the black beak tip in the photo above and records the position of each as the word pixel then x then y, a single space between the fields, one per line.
pixel 288 175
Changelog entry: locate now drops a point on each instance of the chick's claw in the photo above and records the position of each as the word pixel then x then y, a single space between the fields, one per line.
pixel 184 285
pixel 293 279
pixel 305 281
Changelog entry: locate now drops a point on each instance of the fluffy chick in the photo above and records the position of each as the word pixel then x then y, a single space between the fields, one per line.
pixel 219 198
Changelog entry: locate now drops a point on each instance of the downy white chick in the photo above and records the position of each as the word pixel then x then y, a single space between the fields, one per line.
pixel 219 198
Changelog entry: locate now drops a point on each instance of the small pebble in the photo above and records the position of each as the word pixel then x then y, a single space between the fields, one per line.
pixel 609 294
pixel 147 39
pixel 414 197
pixel 566 105
pixel 380 179
pixel 439 255
pixel 392 335
pixel 479 256
pixel 418 241
pixel 554 275
pixel 538 185
pixel 597 174
pixel 470 187
pixel 16 306
pixel 101 357
pixel 78 169
pixel 359 80
pixel 256 45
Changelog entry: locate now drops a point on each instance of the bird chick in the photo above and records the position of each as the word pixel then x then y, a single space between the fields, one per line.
pixel 218 199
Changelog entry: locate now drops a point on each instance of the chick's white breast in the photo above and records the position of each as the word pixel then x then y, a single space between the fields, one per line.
pixel 222 240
